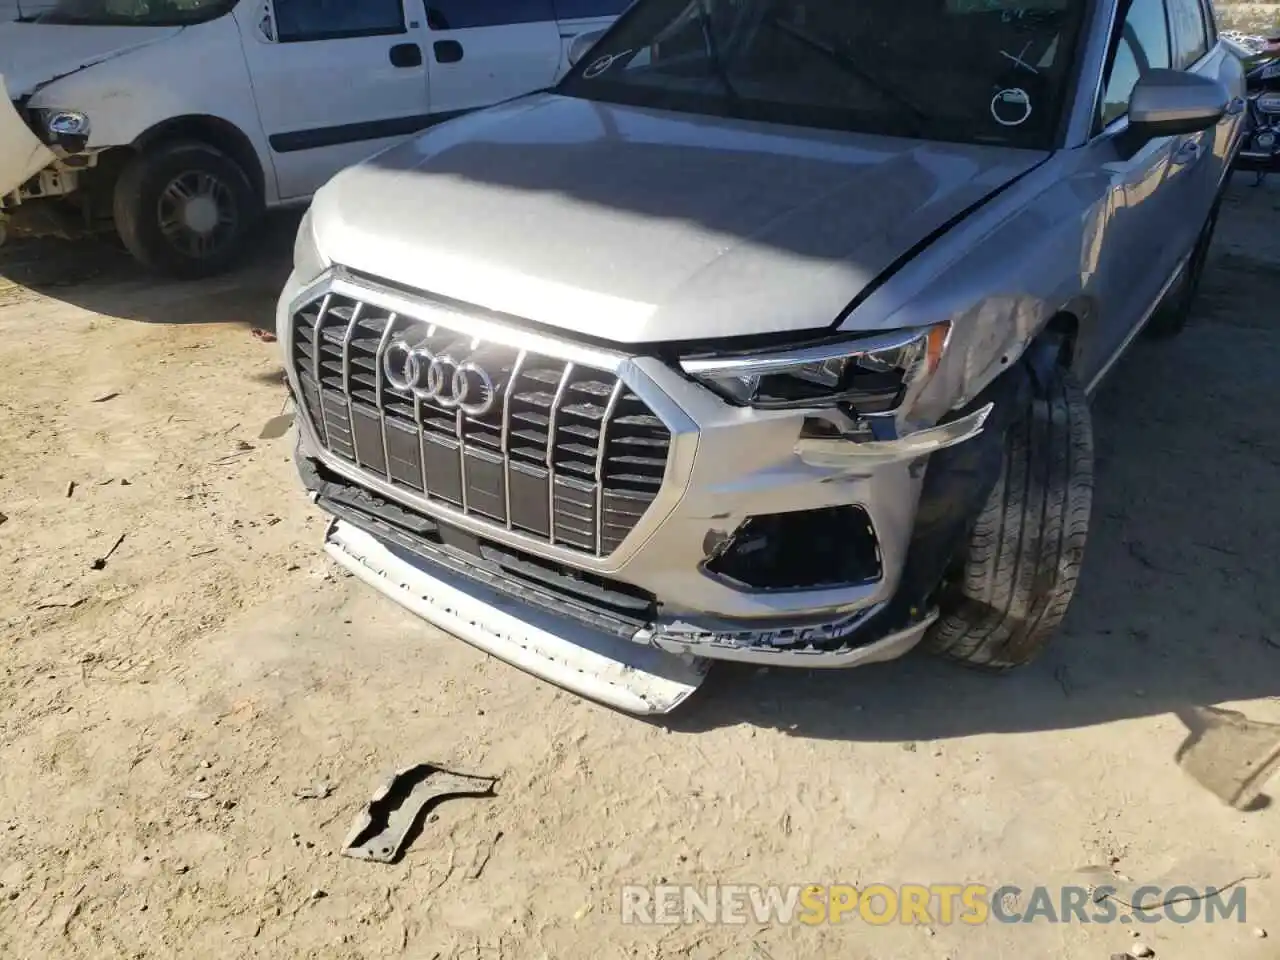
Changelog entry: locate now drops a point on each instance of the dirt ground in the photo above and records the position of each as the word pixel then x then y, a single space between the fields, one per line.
pixel 157 715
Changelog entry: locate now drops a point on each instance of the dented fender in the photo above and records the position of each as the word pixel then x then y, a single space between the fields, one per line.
pixel 22 154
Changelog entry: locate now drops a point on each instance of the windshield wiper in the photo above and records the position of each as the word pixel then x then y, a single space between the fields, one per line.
pixel 713 52
pixel 850 65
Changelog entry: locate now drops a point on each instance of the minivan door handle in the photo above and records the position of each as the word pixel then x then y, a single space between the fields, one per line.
pixel 406 55
pixel 447 51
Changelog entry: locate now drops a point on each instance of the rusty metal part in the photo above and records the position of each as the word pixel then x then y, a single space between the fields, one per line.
pixel 395 814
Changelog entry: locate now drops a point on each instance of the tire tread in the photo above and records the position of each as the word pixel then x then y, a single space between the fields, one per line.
pixel 1027 545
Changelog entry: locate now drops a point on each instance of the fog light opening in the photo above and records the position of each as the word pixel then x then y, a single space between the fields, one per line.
pixel 820 549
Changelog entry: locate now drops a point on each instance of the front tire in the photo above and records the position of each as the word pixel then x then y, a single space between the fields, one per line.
pixel 1008 592
pixel 1170 318
pixel 185 209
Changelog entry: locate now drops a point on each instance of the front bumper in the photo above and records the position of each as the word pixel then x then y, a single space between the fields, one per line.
pixel 22 154
pixel 727 465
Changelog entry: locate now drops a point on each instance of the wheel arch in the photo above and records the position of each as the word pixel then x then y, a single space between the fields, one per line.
pixel 214 131
pixel 1064 329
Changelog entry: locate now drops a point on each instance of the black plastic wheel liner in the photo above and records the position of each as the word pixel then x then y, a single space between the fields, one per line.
pixel 958 480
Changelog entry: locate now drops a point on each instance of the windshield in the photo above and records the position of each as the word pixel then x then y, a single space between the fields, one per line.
pixel 135 13
pixel 980 71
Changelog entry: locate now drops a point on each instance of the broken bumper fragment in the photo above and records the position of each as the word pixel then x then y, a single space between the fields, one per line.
pixel 22 154
pixel 594 664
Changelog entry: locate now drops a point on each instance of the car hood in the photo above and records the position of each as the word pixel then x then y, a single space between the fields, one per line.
pixel 32 54
pixel 636 225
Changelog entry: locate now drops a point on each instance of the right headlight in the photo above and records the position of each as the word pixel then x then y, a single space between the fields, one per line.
pixel 872 374
pixel 308 261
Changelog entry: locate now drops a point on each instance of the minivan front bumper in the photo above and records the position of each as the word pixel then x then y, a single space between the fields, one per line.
pixel 22 154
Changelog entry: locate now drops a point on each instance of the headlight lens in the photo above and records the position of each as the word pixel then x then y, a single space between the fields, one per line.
pixel 873 374
pixel 308 261
pixel 67 123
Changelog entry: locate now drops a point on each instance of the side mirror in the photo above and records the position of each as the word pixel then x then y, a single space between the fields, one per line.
pixel 1166 103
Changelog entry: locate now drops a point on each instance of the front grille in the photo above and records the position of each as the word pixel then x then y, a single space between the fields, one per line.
pixel 597 602
pixel 567 453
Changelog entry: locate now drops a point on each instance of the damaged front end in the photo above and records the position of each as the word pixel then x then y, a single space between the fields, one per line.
pixel 654 528
pixel 43 157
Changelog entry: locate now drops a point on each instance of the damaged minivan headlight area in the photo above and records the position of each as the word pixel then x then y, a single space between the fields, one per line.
pixel 870 374
pixel 68 129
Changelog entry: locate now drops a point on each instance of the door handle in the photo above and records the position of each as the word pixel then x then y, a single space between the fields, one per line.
pixel 1236 106
pixel 1188 152
pixel 447 51
pixel 406 55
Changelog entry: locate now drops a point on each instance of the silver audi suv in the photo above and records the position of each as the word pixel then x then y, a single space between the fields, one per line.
pixel 767 335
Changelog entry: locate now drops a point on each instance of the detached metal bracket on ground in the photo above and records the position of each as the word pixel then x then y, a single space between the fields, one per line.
pixel 394 815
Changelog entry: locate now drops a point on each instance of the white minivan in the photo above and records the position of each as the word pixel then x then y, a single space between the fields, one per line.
pixel 183 120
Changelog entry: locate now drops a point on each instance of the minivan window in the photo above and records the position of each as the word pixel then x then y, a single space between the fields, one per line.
pixel 300 21
pixel 589 9
pixel 982 71
pixel 467 14
pixel 135 13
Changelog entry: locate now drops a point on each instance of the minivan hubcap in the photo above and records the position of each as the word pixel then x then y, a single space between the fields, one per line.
pixel 197 214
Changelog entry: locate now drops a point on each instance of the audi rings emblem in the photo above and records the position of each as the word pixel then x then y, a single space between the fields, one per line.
pixel 453 377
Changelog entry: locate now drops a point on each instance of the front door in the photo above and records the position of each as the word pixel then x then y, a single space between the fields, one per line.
pixel 486 51
pixel 335 81
pixel 1138 227
pixel 1196 50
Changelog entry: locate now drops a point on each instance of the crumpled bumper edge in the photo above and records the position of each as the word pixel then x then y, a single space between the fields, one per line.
pixel 22 155
pixel 619 673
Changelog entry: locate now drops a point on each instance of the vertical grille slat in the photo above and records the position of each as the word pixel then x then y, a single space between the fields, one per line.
pixel 560 451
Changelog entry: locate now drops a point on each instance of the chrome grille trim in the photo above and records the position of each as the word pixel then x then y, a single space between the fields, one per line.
pixel 558 393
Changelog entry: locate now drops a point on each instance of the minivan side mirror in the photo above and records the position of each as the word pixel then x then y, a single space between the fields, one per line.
pixel 1166 103
pixel 582 43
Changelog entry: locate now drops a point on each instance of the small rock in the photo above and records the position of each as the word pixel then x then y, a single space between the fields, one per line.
pixel 1135 934
pixel 1260 933
pixel 909 747
pixel 313 791
pixel 206 764
pixel 318 894
pixel 228 804
pixel 180 867
pixel 1140 949
pixel 199 795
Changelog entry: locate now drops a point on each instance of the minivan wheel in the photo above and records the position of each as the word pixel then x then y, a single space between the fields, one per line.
pixel 1010 588
pixel 185 209
pixel 1170 318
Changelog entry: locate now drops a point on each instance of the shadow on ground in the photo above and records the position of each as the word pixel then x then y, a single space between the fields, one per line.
pixel 99 275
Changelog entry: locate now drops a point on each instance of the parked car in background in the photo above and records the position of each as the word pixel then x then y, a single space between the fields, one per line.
pixel 760 337
pixel 183 120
